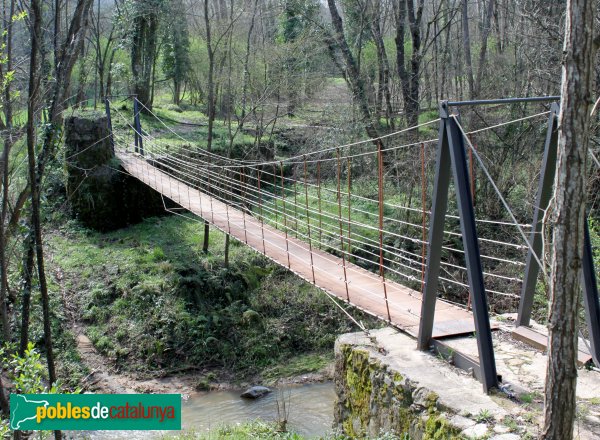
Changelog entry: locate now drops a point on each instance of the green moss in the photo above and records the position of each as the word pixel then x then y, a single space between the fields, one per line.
pixel 348 427
pixel 431 402
pixel 405 418
pixel 438 428
pixel 359 386
pixel 368 383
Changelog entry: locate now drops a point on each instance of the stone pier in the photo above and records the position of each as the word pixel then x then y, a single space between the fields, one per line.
pixel 101 193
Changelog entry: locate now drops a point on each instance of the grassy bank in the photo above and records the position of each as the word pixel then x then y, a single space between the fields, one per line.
pixel 153 303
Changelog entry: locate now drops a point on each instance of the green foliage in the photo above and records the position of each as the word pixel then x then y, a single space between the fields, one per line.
pixel 26 373
pixel 484 416
pixel 5 430
pixel 308 363
pixel 251 430
pixel 595 239
pixel 8 76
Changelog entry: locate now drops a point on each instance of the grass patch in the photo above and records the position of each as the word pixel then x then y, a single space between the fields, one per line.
pixel 307 363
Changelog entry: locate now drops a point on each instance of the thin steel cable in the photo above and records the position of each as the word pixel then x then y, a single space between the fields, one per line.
pixel 300 156
pixel 392 270
pixel 502 124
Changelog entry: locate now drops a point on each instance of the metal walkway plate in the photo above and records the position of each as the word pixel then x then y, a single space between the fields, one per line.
pixel 540 341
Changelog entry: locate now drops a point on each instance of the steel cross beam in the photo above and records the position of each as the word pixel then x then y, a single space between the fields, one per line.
pixel 503 101
pixel 451 155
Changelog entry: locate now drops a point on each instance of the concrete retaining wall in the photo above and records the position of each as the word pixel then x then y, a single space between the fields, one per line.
pixel 384 385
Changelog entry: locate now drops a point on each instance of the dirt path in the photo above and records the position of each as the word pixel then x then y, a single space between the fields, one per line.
pixel 103 378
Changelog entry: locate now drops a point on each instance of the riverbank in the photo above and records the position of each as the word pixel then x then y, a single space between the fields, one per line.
pixel 149 312
pixel 104 379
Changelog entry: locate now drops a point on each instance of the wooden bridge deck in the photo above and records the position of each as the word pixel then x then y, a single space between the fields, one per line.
pixel 365 289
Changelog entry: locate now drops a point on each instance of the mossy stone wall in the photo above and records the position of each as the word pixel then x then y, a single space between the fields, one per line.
pixel 372 399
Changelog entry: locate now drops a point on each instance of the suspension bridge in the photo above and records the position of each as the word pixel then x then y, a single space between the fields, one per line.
pixel 340 218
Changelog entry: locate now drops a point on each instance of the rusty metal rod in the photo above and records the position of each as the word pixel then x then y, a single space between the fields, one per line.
pixel 227 196
pixel 349 209
pixel 424 216
pixel 295 203
pixel 274 188
pixel 319 201
pixel 339 197
pixel 312 267
pixel 262 223
pixel 285 228
pixel 244 182
pixel 381 270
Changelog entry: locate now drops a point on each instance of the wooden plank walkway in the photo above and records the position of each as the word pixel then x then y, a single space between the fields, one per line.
pixel 365 289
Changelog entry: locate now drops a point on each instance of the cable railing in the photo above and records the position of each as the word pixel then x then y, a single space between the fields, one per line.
pixel 262 191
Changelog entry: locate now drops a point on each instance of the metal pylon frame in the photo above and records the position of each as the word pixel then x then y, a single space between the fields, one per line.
pixel 544 193
pixel 452 156
pixel 532 268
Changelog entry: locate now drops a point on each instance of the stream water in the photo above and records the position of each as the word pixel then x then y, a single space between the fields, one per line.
pixel 310 412
pixel 310 408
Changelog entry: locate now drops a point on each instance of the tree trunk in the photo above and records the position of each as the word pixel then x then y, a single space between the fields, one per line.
pixel 568 233
pixel 34 183
pixel 27 275
pixel 485 33
pixel 399 39
pixel 246 74
pixel 143 51
pixel 467 49
pixel 4 238
pixel 211 104
pixel 4 170
pixel 226 258
pixel 352 74
pixel 384 70
pixel 414 21
pixel 409 80
pixel 3 401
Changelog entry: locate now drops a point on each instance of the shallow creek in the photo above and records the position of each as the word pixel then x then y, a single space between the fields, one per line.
pixel 310 412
